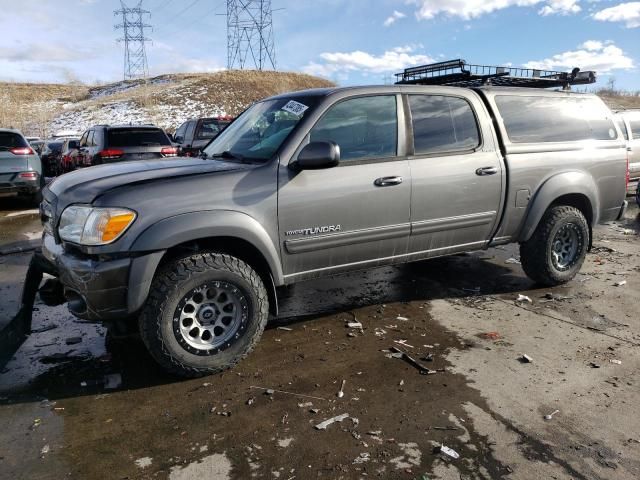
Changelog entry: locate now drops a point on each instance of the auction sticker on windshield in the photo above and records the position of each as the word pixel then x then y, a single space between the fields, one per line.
pixel 294 107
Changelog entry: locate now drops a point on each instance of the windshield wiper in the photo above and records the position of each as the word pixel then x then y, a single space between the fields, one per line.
pixel 227 154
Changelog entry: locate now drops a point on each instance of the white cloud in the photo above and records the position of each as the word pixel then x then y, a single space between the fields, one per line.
pixel 591 55
pixel 43 53
pixel 629 13
pixel 339 63
pixel 561 7
pixel 467 9
pixel 393 18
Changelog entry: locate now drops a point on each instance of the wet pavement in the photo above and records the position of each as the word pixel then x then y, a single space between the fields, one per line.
pixel 77 402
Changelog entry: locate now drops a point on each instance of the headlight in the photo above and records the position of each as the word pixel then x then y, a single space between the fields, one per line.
pixel 94 226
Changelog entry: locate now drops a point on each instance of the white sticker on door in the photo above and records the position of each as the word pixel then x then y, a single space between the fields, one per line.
pixel 294 107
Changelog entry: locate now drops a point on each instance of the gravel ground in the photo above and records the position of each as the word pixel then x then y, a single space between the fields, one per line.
pixel 458 316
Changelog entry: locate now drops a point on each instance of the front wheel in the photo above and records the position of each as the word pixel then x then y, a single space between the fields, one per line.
pixel 555 252
pixel 204 313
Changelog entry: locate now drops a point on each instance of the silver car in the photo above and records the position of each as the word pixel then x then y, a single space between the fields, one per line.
pixel 20 167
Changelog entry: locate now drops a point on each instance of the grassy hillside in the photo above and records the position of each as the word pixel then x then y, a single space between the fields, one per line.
pixel 166 100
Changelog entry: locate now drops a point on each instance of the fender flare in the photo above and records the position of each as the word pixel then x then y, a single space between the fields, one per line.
pixel 566 183
pixel 172 231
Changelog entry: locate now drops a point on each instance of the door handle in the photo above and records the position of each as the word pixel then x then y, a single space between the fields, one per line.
pixel 486 171
pixel 387 181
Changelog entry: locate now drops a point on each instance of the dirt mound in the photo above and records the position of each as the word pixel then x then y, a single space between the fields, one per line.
pixel 166 100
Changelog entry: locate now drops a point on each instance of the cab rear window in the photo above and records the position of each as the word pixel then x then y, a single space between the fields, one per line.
pixel 11 140
pixel 136 137
pixel 543 119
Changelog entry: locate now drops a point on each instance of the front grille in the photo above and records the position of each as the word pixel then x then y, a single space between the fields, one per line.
pixel 46 216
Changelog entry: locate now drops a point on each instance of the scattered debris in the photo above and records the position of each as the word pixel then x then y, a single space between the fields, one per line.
pixel 512 260
pixel 73 340
pixel 617 362
pixel 362 458
pixel 305 404
pixel 271 391
pixel 402 319
pixel 341 392
pixel 144 462
pixel 448 427
pixel 427 358
pixel 251 401
pixel 337 418
pixel 46 328
pixel 450 452
pixel 594 365
pixel 413 362
pixel 286 329
pixel 526 358
pixel 620 283
pixel 523 298
pixel 44 450
pixel 403 343
pixel 550 415
pixel 357 325
pixel 490 336
pixel 552 297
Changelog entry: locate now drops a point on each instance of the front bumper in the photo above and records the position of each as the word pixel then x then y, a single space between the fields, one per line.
pixel 98 288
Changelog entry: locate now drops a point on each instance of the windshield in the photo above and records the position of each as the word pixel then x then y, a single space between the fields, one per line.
pixel 259 132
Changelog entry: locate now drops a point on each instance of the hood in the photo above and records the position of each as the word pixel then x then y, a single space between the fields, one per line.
pixel 84 185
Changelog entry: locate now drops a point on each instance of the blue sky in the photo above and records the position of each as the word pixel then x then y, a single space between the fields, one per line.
pixel 349 41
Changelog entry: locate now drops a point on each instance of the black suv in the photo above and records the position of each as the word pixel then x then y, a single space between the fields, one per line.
pixel 117 143
pixel 193 135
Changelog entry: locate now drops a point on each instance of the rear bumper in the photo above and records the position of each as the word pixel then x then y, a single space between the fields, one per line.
pixel 105 289
pixel 27 187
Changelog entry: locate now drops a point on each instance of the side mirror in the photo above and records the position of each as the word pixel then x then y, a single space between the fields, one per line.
pixel 318 155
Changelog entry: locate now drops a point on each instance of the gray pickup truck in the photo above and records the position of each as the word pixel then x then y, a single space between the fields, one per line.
pixel 319 182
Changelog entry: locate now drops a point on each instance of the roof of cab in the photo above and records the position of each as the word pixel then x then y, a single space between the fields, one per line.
pixel 324 92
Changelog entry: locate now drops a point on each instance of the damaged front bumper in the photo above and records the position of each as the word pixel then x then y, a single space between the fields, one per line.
pixel 100 288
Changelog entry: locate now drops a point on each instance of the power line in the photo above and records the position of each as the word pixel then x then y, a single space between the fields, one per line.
pixel 250 34
pixel 133 27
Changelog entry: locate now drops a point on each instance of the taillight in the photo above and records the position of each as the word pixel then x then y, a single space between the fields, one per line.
pixel 29 175
pixel 169 151
pixel 22 151
pixel 627 176
pixel 109 153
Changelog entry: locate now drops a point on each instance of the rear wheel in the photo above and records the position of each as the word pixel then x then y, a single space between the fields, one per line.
pixel 204 313
pixel 555 252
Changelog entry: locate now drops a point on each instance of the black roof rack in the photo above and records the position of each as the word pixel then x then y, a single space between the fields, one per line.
pixel 459 73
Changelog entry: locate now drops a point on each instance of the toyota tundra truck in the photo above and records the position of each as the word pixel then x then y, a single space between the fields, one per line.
pixel 319 182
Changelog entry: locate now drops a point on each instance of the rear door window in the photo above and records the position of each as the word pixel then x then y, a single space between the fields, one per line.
pixel 364 128
pixel 208 129
pixel 9 140
pixel 635 129
pixel 543 119
pixel 136 137
pixel 442 124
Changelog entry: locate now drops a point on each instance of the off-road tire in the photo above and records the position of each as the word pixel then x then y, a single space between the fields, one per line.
pixel 536 253
pixel 172 282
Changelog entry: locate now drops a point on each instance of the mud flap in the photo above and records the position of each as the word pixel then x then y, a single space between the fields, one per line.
pixel 19 328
